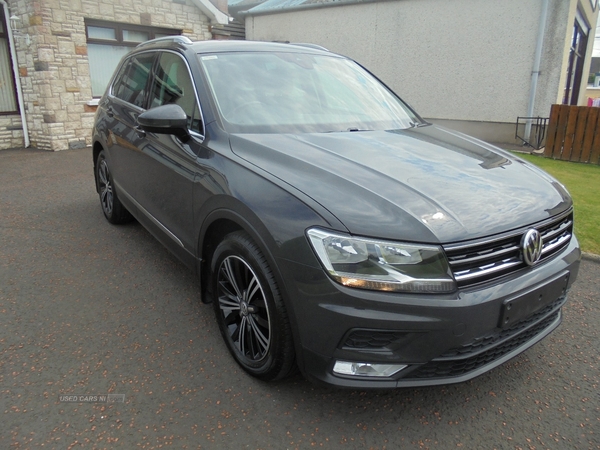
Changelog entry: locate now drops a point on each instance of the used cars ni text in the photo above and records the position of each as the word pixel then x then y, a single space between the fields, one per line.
pixel 334 230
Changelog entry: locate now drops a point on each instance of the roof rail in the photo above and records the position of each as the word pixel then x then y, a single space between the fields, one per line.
pixel 177 38
pixel 309 45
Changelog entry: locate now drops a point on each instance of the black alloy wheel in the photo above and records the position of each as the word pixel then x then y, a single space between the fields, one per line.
pixel 112 208
pixel 249 309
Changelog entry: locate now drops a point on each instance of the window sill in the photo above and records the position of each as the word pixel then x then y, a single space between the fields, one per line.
pixel 93 102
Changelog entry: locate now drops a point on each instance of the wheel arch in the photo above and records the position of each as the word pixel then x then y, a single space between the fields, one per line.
pixel 224 220
pixel 238 217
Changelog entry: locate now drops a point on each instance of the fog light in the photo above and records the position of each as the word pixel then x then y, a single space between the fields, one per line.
pixel 361 369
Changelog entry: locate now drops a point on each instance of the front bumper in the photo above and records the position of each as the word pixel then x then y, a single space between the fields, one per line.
pixel 441 339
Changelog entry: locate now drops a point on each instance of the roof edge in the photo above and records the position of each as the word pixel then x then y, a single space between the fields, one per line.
pixel 303 7
pixel 215 15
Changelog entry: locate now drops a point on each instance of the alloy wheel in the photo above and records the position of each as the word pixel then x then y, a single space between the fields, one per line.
pixel 244 309
pixel 105 188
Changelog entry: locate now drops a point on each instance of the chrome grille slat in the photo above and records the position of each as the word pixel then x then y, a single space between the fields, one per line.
pixel 487 259
pixel 483 272
pixel 551 234
pixel 486 256
pixel 551 246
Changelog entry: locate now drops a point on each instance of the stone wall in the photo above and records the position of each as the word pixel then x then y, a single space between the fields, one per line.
pixel 11 132
pixel 54 69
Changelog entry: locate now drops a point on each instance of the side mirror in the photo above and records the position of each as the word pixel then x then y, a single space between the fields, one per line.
pixel 165 119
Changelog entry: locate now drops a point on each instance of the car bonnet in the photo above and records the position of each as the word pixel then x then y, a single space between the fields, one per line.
pixel 425 184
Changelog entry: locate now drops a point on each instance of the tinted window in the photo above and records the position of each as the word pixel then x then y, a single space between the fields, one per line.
pixel 173 84
pixel 133 79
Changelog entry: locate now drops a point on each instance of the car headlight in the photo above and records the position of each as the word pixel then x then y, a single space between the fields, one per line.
pixel 382 265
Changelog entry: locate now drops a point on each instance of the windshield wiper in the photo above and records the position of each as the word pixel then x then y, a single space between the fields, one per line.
pixel 350 129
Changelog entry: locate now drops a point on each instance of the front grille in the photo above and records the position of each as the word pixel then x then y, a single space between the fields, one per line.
pixel 487 259
pixel 447 368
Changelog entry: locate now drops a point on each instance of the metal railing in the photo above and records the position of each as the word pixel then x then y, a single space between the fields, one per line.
pixel 537 132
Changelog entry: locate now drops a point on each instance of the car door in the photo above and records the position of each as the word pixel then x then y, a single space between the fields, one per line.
pixel 166 165
pixel 125 102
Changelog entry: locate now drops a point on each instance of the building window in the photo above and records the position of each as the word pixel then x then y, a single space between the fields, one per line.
pixel 108 42
pixel 8 100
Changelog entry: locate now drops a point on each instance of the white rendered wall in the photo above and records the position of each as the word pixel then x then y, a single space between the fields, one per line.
pixel 467 60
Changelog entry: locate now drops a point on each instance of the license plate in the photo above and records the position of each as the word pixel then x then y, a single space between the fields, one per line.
pixel 523 305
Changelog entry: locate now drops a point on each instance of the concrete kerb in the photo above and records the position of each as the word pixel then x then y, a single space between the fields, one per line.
pixel 591 257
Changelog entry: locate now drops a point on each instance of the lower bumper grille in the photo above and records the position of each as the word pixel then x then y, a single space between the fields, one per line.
pixel 483 344
pixel 461 361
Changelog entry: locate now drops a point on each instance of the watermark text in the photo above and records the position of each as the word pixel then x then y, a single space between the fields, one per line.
pixel 105 398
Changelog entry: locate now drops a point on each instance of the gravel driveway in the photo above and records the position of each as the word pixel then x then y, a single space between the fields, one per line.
pixel 89 309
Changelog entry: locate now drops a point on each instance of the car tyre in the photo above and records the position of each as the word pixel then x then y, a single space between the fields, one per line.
pixel 113 209
pixel 249 309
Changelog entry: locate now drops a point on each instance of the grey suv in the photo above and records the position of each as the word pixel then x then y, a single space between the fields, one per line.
pixel 333 229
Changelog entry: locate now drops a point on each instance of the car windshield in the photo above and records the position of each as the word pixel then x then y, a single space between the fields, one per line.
pixel 300 93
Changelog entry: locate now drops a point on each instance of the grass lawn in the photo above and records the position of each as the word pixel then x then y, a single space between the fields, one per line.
pixel 583 183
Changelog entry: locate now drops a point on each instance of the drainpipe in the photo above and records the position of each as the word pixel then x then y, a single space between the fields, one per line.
pixel 535 74
pixel 13 54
